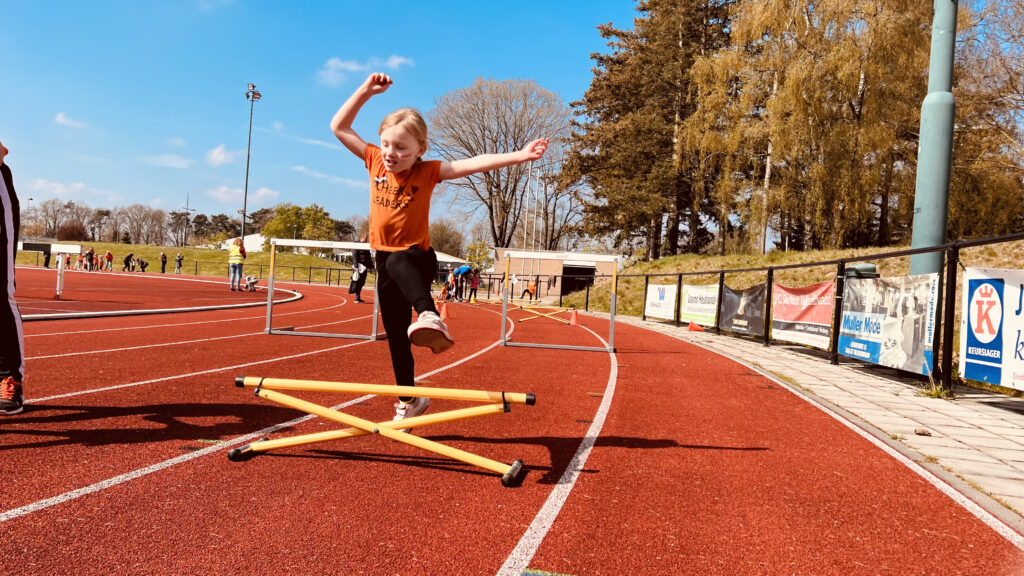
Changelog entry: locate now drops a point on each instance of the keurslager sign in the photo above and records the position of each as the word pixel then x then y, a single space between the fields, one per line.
pixel 991 326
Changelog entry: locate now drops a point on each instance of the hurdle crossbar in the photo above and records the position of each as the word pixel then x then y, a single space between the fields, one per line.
pixel 274 243
pixel 505 299
pixel 539 312
pixel 496 403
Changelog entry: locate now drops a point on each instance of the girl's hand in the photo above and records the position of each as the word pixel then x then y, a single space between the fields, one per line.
pixel 377 83
pixel 534 150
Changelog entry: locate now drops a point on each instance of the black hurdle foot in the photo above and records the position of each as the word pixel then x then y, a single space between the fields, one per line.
pixel 515 475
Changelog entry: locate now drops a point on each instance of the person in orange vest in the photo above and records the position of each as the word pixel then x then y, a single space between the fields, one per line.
pixel 531 289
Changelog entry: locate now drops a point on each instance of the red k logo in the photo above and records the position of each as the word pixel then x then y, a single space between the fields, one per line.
pixel 987 313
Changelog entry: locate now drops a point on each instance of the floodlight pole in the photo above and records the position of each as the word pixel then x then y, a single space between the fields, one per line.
pixel 252 95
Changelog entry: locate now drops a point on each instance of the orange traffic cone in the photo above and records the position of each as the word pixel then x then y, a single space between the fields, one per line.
pixel 694 327
pixel 573 319
pixel 444 311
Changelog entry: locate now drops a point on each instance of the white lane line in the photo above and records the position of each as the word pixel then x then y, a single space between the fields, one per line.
pixel 149 327
pixel 164 344
pixel 134 474
pixel 519 560
pixel 1001 528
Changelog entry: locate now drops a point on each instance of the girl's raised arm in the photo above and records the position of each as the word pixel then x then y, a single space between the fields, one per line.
pixel 341 124
pixel 486 162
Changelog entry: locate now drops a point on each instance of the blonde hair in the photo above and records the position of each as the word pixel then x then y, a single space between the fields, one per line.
pixel 410 120
pixel 238 242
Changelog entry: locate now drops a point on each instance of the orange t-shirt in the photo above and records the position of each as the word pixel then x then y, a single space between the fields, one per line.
pixel 400 203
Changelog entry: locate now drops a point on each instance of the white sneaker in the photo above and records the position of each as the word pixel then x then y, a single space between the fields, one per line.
pixel 429 330
pixel 405 410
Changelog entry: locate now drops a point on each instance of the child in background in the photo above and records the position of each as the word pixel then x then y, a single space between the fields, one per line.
pixel 401 184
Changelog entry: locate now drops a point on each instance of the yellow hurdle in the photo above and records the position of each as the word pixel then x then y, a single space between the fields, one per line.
pixel 539 312
pixel 496 403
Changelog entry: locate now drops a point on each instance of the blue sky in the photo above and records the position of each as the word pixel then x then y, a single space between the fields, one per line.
pixel 112 103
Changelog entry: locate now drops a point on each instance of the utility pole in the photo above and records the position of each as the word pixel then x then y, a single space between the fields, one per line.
pixel 935 151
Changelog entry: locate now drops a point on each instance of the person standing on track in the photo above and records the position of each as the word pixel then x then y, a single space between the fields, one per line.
pixel 236 256
pixel 177 263
pixel 12 345
pixel 401 184
pixel 361 264
pixel 163 263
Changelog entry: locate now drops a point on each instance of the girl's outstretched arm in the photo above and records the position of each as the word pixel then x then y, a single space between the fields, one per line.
pixel 486 162
pixel 341 124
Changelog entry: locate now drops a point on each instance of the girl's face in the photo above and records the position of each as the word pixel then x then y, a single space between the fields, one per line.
pixel 399 149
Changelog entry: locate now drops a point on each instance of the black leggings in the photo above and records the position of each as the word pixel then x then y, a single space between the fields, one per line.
pixel 403 280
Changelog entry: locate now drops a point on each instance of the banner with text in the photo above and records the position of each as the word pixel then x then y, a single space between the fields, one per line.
pixel 699 304
pixel 890 321
pixel 660 301
pixel 991 326
pixel 743 310
pixel 803 315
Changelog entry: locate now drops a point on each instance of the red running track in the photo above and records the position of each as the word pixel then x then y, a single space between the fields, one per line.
pixel 693 463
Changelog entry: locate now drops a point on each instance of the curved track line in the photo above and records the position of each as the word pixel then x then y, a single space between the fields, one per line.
pixel 163 344
pixel 519 560
pixel 128 476
pixel 184 310
pixel 993 522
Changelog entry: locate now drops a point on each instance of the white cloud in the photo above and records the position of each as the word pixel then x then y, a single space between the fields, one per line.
pixel 63 120
pixel 264 194
pixel 332 179
pixel 226 194
pixel 335 71
pixel 57 189
pixel 221 155
pixel 178 142
pixel 229 195
pixel 277 125
pixel 311 141
pixel 75 190
pixel 168 161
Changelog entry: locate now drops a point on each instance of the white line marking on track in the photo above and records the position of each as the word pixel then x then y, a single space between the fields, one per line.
pixel 971 506
pixel 185 310
pixel 134 474
pixel 519 560
pixel 164 344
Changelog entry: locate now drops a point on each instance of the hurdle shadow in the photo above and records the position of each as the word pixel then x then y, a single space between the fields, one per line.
pixel 562 450
pixel 426 462
pixel 164 422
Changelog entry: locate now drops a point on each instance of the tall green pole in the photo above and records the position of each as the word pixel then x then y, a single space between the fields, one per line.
pixel 935 151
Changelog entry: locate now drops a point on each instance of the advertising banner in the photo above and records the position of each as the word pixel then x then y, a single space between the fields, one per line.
pixel 661 301
pixel 699 304
pixel 890 321
pixel 743 310
pixel 803 315
pixel 991 326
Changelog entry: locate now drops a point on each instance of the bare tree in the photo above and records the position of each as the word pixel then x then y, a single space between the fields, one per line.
pixel 51 213
pixel 495 116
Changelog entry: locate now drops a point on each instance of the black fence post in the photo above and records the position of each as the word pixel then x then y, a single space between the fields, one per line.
pixel 837 312
pixel 718 309
pixel 679 299
pixel 767 320
pixel 586 305
pixel 647 281
pixel 560 290
pixel 949 312
pixel 197 268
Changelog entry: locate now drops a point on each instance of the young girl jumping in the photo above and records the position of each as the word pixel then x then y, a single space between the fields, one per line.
pixel 401 184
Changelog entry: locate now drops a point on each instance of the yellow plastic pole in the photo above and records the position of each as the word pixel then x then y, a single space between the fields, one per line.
pixel 396 435
pixel 382 390
pixel 415 422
